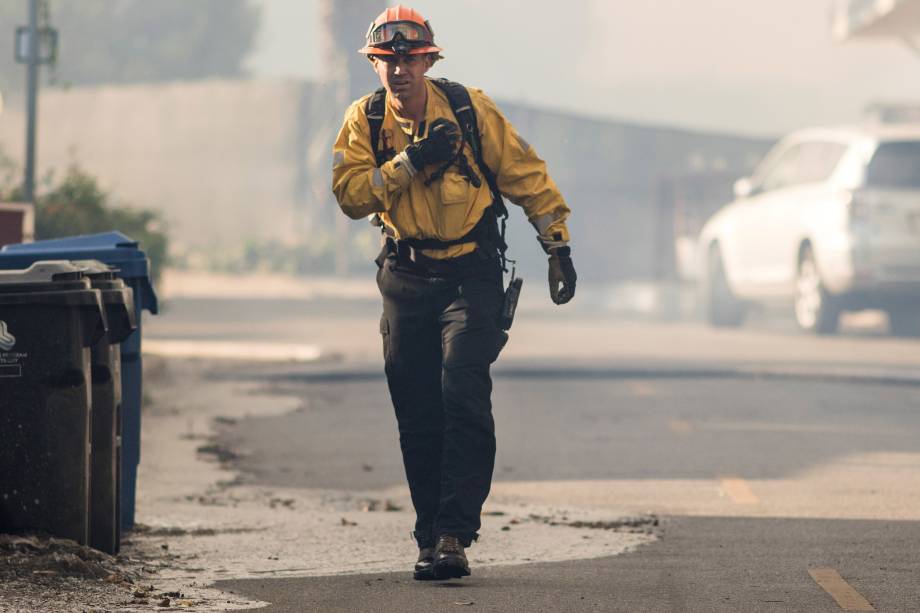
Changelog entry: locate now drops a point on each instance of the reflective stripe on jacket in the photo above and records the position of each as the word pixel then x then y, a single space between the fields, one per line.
pixel 450 206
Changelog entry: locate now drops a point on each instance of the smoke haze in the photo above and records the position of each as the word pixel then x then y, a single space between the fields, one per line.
pixel 727 65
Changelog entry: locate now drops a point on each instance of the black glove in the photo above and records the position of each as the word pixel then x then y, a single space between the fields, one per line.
pixel 561 271
pixel 440 145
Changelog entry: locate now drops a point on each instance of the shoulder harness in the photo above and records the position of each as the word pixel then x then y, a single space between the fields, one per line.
pixel 486 231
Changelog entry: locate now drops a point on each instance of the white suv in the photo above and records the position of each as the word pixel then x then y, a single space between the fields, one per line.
pixel 830 221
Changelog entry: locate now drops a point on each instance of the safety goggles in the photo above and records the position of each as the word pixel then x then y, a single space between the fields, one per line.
pixel 388 33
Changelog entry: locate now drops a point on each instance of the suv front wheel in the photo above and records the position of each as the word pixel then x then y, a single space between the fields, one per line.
pixel 815 309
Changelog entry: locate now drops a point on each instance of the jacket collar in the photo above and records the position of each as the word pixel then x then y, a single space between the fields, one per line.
pixel 436 106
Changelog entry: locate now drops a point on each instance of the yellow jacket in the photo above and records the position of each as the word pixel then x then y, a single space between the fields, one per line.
pixel 451 206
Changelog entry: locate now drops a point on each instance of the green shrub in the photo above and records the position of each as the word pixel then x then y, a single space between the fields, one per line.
pixel 77 205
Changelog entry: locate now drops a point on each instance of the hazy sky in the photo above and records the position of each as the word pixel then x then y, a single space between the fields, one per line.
pixel 733 65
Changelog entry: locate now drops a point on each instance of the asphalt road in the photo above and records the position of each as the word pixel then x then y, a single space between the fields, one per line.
pixel 567 427
pixel 702 565
pixel 758 482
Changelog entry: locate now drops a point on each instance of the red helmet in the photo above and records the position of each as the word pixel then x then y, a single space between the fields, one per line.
pixel 400 31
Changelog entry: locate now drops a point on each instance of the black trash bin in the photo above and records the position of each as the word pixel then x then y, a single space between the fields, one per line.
pixel 114 249
pixel 49 319
pixel 105 434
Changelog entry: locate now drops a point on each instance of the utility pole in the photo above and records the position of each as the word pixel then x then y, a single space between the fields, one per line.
pixel 28 184
pixel 34 46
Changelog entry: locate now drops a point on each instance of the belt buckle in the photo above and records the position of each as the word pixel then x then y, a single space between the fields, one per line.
pixel 405 252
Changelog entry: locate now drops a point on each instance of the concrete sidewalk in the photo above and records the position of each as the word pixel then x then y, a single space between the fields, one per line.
pixel 703 565
pixel 214 524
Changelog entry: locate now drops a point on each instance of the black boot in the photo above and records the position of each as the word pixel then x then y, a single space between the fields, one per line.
pixel 424 568
pixel 450 559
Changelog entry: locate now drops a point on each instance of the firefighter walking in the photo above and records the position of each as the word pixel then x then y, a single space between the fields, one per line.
pixel 431 161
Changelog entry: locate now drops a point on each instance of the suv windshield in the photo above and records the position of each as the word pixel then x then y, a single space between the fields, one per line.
pixel 895 165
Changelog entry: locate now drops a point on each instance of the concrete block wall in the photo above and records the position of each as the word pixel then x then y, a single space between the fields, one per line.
pixel 219 159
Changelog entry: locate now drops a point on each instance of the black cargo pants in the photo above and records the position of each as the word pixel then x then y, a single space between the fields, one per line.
pixel 440 336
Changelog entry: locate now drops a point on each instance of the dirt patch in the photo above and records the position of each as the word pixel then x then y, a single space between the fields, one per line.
pixel 44 555
pixel 42 573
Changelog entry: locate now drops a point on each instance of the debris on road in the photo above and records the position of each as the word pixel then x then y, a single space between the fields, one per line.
pixel 372 505
pixel 287 503
pixel 638 525
pixel 222 454
pixel 643 524
pixel 144 530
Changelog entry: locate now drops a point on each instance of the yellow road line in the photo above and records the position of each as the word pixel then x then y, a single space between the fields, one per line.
pixel 739 491
pixel 841 591
pixel 680 426
pixel 641 388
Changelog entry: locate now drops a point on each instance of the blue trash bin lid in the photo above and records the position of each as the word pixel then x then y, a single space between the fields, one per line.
pixel 113 248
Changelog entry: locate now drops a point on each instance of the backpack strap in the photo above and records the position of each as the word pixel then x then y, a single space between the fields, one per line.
pixel 375 109
pixel 486 231
pixel 462 106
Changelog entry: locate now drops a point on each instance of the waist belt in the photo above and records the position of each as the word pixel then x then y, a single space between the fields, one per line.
pixel 485 234
pixel 409 257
